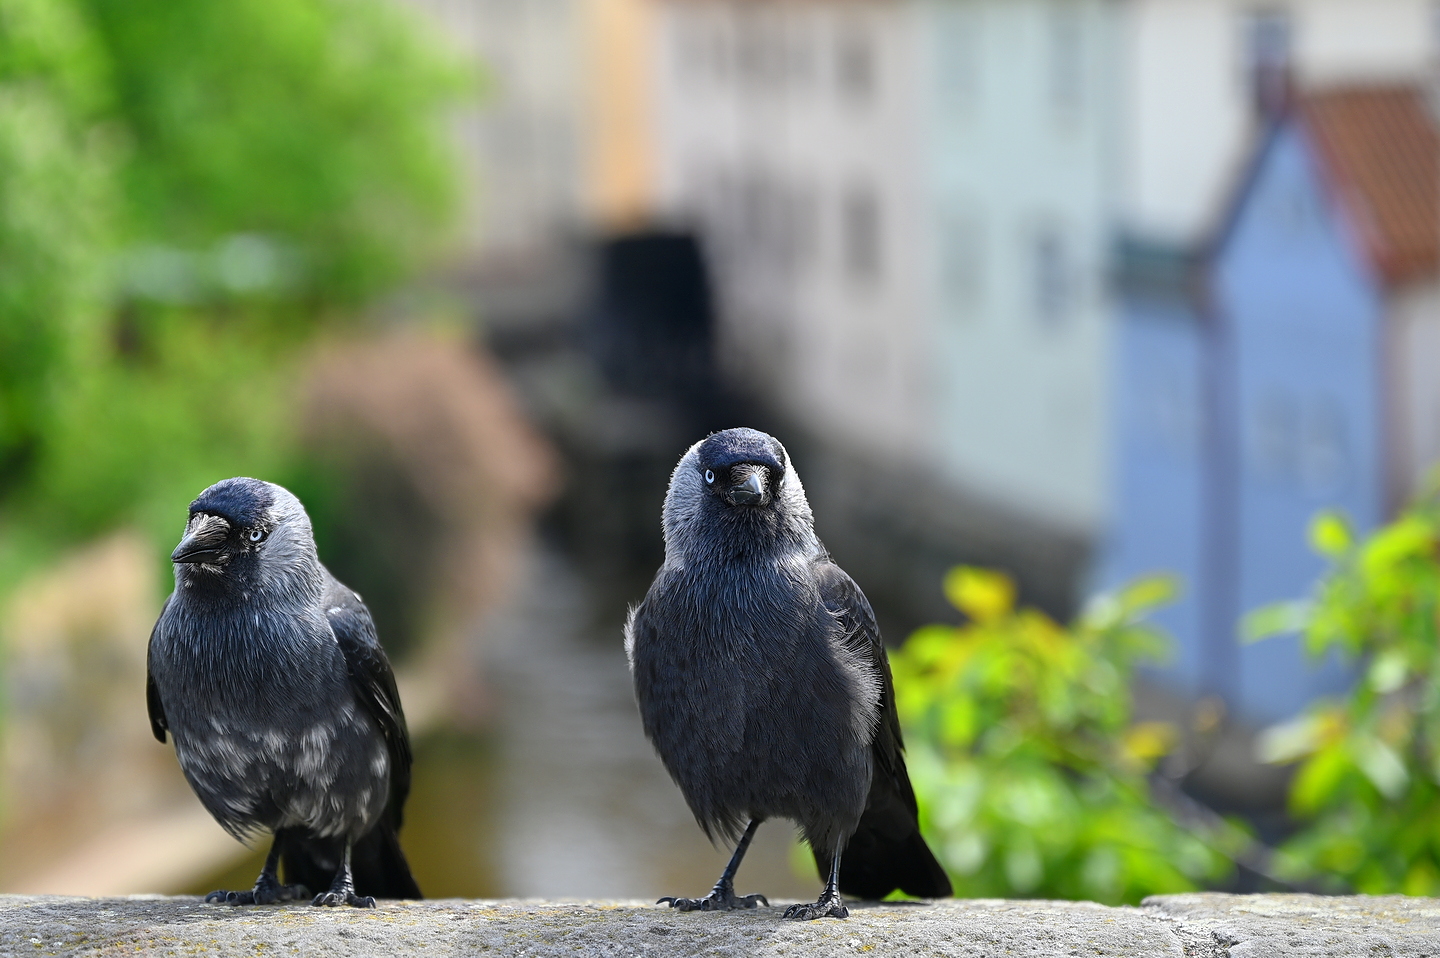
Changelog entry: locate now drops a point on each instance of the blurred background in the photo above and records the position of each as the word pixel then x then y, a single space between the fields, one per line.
pixel 1077 291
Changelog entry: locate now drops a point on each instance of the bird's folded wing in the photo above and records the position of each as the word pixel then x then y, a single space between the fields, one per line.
pixel 862 637
pixel 372 679
pixel 156 708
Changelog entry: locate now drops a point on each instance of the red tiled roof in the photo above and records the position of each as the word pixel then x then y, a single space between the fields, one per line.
pixel 1382 153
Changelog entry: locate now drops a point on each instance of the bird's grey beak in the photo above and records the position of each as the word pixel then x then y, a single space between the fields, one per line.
pixel 752 491
pixel 203 540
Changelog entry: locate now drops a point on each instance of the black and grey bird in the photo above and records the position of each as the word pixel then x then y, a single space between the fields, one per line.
pixel 764 686
pixel 269 674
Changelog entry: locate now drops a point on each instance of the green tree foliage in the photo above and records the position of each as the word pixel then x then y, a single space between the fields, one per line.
pixel 189 190
pixel 1030 772
pixel 1368 785
pixel 309 122
pixel 54 210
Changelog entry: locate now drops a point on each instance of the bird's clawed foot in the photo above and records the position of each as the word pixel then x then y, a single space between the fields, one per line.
pixel 830 905
pixel 344 897
pixel 265 892
pixel 342 891
pixel 721 898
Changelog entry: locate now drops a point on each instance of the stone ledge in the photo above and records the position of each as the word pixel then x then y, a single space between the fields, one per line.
pixel 1182 926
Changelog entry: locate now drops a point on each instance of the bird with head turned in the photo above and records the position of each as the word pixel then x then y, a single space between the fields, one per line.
pixel 269 675
pixel 763 683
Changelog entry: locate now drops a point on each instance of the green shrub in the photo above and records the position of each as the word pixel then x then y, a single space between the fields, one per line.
pixel 1030 773
pixel 1368 786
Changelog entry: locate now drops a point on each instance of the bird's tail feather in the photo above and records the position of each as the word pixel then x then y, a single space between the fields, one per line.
pixel 376 862
pixel 888 852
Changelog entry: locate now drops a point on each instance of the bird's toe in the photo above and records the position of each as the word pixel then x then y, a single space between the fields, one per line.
pixel 682 904
pixel 821 909
pixel 222 897
pixel 359 901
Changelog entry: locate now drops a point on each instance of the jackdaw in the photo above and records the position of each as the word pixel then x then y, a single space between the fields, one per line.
pixel 286 718
pixel 764 686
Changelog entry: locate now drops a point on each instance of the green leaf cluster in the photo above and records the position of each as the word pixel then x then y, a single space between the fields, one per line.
pixel 1368 784
pixel 1030 772
pixel 190 191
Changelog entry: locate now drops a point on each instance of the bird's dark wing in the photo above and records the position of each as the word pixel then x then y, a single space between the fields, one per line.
pixel 844 600
pixel 373 683
pixel 378 864
pixel 887 850
pixel 158 724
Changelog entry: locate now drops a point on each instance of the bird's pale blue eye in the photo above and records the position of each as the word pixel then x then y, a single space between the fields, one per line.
pixel 709 476
pixel 256 535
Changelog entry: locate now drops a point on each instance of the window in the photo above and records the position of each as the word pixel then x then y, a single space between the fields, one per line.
pixel 1267 49
pixel 855 66
pixel 1324 453
pixel 962 261
pixel 860 235
pixel 1067 60
pixel 959 42
pixel 1052 276
pixel 1275 436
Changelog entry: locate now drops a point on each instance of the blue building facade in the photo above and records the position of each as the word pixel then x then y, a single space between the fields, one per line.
pixel 1249 395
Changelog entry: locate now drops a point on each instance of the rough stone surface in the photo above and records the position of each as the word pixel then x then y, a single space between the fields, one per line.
pixel 1183 926
pixel 1256 926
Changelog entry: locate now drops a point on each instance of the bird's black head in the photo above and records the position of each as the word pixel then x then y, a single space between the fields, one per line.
pixel 242 531
pixel 735 494
pixel 741 467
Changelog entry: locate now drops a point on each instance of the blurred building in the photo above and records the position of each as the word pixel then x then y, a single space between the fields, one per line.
pixel 908 226
pixel 906 208
pixel 1198 76
pixel 927 217
pixel 1290 370
pixel 559 142
pixel 931 226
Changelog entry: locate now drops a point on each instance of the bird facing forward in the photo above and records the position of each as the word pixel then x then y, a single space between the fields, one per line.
pixel 269 674
pixel 763 683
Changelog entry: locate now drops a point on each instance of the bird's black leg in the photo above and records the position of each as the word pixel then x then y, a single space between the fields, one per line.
pixel 722 896
pixel 342 889
pixel 830 904
pixel 267 890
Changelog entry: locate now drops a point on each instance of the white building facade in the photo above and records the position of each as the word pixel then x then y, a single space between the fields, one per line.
pixel 905 202
pixel 914 205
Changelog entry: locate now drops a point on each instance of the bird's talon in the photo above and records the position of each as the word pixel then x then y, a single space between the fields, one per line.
pixel 715 901
pixel 824 908
pixel 330 899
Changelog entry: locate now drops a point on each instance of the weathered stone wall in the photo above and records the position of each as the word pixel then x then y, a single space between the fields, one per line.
pixel 1182 926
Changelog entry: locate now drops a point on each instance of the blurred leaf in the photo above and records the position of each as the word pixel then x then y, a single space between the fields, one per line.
pixel 1289 741
pixel 1318 779
pixel 1278 618
pixel 982 594
pixel 1330 535
pixel 1148 741
pixel 1389 671
pixel 1382 766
